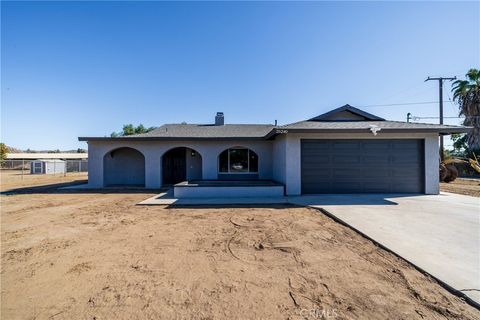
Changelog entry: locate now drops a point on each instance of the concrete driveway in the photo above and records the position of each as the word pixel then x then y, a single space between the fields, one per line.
pixel 440 233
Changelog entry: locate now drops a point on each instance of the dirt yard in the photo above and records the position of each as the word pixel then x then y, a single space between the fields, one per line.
pixel 469 187
pixel 68 255
pixel 13 179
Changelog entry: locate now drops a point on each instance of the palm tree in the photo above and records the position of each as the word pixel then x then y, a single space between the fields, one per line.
pixel 467 95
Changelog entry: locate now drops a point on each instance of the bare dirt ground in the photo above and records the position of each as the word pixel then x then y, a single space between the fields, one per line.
pixel 469 187
pixel 99 256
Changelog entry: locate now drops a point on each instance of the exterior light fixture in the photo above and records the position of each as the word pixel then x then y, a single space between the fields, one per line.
pixel 375 129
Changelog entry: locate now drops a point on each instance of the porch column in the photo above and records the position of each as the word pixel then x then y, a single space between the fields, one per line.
pixel 293 166
pixel 209 165
pixel 432 159
pixel 153 174
pixel 95 165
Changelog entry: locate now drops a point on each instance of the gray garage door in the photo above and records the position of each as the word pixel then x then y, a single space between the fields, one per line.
pixel 362 166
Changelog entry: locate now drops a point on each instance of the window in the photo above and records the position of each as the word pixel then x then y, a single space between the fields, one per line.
pixel 238 160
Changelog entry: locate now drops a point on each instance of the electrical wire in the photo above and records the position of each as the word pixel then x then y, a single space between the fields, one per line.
pixel 399 104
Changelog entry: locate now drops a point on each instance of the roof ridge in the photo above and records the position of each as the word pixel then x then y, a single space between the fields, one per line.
pixel 349 108
pixel 213 125
pixel 289 124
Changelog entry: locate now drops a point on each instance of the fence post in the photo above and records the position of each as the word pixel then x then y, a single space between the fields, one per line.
pixel 23 166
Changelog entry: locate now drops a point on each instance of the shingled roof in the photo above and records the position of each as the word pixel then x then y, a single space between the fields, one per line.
pixel 341 120
pixel 358 126
pixel 210 131
pixel 199 131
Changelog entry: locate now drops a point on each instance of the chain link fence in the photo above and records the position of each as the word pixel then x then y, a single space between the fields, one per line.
pixel 70 165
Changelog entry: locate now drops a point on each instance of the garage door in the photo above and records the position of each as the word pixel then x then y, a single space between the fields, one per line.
pixel 362 166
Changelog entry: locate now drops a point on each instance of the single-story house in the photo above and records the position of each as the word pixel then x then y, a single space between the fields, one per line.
pixel 346 150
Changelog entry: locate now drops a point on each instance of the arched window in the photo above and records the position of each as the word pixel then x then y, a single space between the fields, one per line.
pixel 238 160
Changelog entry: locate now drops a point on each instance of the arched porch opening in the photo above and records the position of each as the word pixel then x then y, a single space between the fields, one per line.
pixel 124 167
pixel 181 164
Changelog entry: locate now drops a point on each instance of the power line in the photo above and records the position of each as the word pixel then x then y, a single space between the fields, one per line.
pixel 415 117
pixel 440 98
pixel 399 104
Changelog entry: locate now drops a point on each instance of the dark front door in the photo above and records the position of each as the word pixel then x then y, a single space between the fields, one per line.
pixel 362 166
pixel 174 166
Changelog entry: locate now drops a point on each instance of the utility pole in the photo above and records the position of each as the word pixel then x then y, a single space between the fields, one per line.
pixel 440 93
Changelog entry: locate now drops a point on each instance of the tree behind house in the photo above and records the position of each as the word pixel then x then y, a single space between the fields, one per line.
pixel 467 95
pixel 130 129
pixel 3 151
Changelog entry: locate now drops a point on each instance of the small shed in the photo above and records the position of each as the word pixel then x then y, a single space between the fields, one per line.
pixel 47 166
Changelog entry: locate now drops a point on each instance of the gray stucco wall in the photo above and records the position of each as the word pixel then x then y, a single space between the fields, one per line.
pixel 124 166
pixel 194 165
pixel 278 159
pixel 153 151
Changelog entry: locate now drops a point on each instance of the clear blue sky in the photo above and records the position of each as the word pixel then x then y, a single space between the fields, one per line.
pixel 74 69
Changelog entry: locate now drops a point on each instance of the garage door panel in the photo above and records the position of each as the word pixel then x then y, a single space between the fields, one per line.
pixel 376 175
pixel 338 159
pixel 362 166
pixel 317 188
pixel 401 156
pixel 318 178
pixel 345 147
pixel 377 159
pixel 348 173
pixel 404 172
pixel 321 158
pixel 376 145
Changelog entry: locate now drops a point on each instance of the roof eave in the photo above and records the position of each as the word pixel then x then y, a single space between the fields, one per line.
pixel 167 138
pixel 443 131
pixel 282 130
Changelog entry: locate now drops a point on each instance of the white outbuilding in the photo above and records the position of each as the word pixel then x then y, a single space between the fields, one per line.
pixel 47 166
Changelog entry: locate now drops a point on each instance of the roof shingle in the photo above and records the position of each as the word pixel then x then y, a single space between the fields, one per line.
pixel 383 125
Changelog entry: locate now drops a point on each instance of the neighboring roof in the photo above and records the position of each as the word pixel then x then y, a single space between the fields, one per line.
pixel 43 156
pixel 50 160
pixel 384 125
pixel 330 116
pixel 198 131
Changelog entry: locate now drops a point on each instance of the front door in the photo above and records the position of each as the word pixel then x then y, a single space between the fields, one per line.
pixel 174 166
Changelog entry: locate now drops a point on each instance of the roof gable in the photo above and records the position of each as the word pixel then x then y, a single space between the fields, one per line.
pixel 347 113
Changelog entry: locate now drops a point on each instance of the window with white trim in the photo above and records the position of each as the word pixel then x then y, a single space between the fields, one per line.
pixel 238 160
